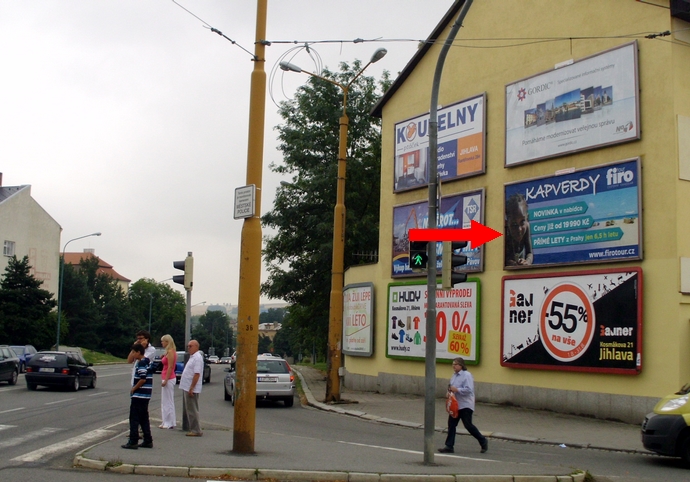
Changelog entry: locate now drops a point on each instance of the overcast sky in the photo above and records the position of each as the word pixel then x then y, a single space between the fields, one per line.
pixel 129 117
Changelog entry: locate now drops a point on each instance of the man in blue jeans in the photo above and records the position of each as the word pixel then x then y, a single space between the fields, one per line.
pixel 462 387
pixel 140 395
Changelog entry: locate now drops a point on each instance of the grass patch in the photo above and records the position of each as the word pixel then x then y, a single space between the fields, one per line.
pixel 100 358
pixel 321 366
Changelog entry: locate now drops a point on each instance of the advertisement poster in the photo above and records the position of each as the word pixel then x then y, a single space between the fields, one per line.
pixel 579 321
pixel 457 321
pixel 587 216
pixel 358 319
pixel 460 145
pixel 456 211
pixel 590 103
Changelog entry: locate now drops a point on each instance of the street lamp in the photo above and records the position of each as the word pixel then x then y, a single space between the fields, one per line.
pixel 62 272
pixel 335 316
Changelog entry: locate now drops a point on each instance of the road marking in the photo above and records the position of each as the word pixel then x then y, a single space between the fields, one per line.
pixel 28 436
pixel 96 394
pixel 5 427
pixel 63 446
pixel 13 410
pixel 417 452
pixel 59 401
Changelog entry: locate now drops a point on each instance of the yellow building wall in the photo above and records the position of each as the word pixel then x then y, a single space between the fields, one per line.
pixel 472 68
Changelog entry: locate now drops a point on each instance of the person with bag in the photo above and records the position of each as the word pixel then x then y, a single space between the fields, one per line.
pixel 461 389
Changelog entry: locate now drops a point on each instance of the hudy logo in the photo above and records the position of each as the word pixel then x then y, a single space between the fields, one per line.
pixel 406 296
pixel 619 175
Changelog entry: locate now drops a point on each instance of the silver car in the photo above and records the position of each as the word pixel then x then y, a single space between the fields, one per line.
pixel 274 381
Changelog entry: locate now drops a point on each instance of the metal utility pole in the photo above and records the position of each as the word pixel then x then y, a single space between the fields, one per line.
pixel 250 255
pixel 430 356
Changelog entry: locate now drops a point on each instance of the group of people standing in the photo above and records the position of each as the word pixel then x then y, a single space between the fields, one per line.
pixel 141 355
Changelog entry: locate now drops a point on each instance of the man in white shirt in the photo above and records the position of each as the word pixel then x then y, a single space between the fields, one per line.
pixel 190 384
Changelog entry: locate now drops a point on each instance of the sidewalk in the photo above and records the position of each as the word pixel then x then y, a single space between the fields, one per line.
pixel 283 457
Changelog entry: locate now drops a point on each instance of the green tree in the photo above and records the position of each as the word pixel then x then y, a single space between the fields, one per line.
pixel 165 307
pixel 25 307
pixel 299 255
pixel 272 315
pixel 214 330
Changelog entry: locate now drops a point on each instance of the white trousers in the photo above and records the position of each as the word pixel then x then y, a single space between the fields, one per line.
pixel 168 404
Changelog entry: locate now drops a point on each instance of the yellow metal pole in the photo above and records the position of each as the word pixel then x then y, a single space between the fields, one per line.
pixel 250 256
pixel 335 325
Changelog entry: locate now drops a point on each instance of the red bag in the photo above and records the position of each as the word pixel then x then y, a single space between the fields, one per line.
pixel 452 405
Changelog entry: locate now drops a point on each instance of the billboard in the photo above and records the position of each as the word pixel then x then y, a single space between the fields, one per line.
pixel 588 216
pixel 579 321
pixel 461 128
pixel 456 211
pixel 358 319
pixel 457 321
pixel 587 104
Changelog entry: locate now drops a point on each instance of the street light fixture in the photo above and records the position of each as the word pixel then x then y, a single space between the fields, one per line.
pixel 62 272
pixel 335 316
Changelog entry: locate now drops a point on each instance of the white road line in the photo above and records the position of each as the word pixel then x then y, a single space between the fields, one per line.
pixel 59 401
pixel 417 452
pixel 28 436
pixel 97 394
pixel 13 410
pixel 63 446
pixel 5 427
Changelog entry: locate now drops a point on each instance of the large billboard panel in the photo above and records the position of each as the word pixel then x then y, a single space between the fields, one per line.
pixel 358 319
pixel 457 321
pixel 587 104
pixel 460 145
pixel 588 216
pixel 587 321
pixel 456 211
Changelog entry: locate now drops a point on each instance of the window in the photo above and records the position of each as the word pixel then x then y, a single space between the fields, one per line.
pixel 8 248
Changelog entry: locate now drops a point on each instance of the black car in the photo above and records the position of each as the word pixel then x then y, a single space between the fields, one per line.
pixel 157 360
pixel 9 365
pixel 59 368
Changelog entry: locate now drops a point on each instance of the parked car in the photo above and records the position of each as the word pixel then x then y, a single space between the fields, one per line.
pixel 157 360
pixel 59 368
pixel 666 430
pixel 274 381
pixel 9 365
pixel 179 367
pixel 213 359
pixel 24 353
pixel 225 360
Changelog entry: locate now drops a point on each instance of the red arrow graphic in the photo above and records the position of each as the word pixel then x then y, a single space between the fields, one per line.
pixel 477 235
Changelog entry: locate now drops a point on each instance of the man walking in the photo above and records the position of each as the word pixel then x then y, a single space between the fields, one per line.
pixel 140 395
pixel 462 387
pixel 190 384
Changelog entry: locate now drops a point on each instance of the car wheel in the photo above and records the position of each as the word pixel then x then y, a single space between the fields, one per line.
pixel 232 396
pixel 13 380
pixel 225 393
pixel 31 386
pixel 22 367
pixel 93 382
pixel 289 401
pixel 685 450
pixel 207 379
pixel 75 385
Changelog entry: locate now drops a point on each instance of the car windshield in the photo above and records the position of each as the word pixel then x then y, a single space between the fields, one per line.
pixel 271 366
pixel 19 350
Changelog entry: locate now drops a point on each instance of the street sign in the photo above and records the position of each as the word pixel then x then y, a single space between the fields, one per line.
pixel 245 201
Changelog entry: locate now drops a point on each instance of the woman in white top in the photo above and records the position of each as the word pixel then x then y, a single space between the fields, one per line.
pixel 168 382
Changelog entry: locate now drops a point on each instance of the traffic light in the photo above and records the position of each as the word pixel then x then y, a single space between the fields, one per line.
pixel 418 255
pixel 450 261
pixel 188 267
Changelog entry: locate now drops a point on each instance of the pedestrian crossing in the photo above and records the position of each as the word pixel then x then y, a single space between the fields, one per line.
pixel 49 451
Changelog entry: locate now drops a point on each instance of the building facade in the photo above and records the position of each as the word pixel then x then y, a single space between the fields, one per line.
pixel 569 134
pixel 27 229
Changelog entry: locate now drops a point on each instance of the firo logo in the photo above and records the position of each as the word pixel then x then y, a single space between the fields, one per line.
pixel 618 175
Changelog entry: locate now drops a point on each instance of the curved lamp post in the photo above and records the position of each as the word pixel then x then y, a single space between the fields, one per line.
pixel 335 316
pixel 62 272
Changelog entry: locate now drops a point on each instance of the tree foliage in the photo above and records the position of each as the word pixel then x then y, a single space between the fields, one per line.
pixel 299 255
pixel 25 307
pixel 213 330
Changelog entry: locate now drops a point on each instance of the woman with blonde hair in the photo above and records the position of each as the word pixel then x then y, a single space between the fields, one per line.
pixel 168 382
